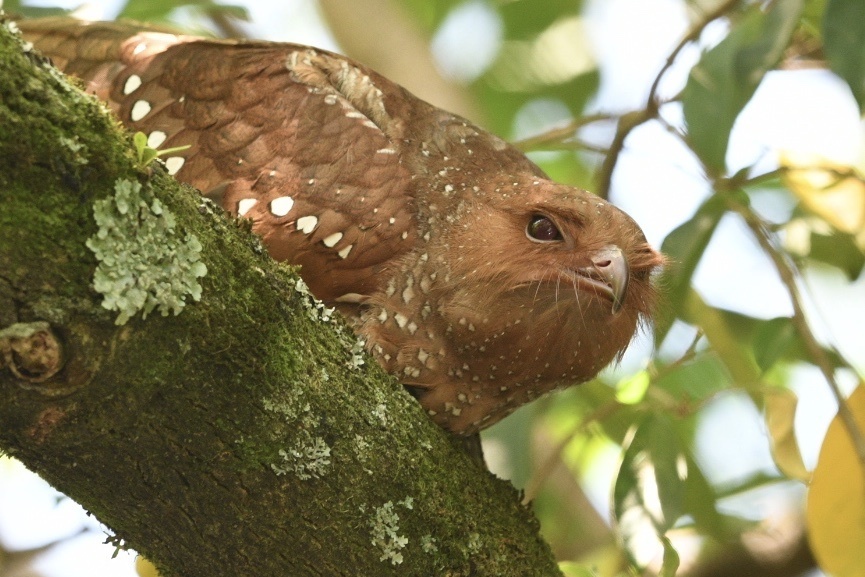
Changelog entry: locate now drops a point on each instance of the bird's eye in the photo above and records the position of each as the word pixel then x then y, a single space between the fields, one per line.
pixel 542 229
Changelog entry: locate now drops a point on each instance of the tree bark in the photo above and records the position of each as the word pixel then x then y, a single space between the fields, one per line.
pixel 241 436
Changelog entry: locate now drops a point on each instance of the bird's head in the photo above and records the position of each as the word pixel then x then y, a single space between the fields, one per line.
pixel 546 284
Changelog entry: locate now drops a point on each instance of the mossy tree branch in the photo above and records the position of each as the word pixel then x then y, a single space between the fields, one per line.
pixel 239 437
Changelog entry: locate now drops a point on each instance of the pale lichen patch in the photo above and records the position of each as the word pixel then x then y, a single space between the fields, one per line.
pixel 145 262
pixel 385 533
pixel 380 414
pixel 308 459
pixel 428 544
pixel 78 149
pixel 316 310
pixel 357 359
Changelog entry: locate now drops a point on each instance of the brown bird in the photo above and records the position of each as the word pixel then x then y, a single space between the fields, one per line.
pixel 475 279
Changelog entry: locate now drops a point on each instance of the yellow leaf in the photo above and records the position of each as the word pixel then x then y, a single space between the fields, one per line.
pixel 834 192
pixel 145 568
pixel 780 410
pixel 835 511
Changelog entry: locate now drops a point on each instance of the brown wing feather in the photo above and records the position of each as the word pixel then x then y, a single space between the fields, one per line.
pixel 295 139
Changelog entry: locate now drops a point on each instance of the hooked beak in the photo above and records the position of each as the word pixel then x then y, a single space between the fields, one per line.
pixel 608 275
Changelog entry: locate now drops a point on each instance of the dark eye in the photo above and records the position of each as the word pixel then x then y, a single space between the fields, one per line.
pixel 542 229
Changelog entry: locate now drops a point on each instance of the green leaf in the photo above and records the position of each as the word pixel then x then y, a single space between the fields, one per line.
pixel 571 569
pixel 726 77
pixel 838 250
pixel 697 380
pixel 649 493
pixel 527 19
pixel 701 503
pixel 671 560
pixel 160 10
pixel 812 17
pixel 684 248
pixel 843 33
pixel 777 340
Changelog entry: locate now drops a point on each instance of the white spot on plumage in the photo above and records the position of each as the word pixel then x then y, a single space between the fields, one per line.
pixel 422 356
pixel 330 99
pixel 386 151
pixel 382 316
pixel 173 164
pixel 244 205
pixel 281 206
pixel 407 294
pixel 330 240
pixel 391 220
pixel 156 138
pixel 401 320
pixel 412 327
pixel 307 224
pixel 344 252
pixel 131 85
pixel 140 109
pixel 142 46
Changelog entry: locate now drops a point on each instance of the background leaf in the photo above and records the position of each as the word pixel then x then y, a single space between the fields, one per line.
pixel 780 409
pixel 835 511
pixel 726 77
pixel 843 31
pixel 649 493
pixel 684 247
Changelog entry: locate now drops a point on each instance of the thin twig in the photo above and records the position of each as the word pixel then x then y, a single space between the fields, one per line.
pixel 693 35
pixel 557 135
pixel 628 122
pixel 800 322
pixel 575 144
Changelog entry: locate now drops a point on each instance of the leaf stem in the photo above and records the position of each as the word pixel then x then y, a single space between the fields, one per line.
pixel 800 322
pixel 630 121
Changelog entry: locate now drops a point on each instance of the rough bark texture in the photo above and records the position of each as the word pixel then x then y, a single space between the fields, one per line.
pixel 238 437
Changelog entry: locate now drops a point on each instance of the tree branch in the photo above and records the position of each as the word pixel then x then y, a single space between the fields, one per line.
pixel 241 436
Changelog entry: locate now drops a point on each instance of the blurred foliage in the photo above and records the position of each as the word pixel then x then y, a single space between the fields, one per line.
pixel 662 499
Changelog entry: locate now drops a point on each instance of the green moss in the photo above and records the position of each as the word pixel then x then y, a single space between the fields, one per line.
pixel 145 263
